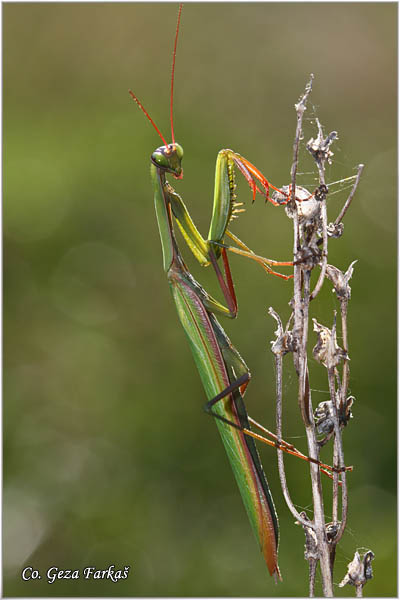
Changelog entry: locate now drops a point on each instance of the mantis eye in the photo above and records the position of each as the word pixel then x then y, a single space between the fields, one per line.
pixel 179 151
pixel 160 159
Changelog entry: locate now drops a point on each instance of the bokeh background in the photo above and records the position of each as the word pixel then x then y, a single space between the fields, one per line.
pixel 108 457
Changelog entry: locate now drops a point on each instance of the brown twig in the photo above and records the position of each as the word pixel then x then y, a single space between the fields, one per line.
pixel 280 347
pixel 300 332
pixel 351 196
pixel 300 108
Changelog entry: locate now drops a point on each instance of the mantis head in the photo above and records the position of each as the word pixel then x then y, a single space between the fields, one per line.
pixel 169 159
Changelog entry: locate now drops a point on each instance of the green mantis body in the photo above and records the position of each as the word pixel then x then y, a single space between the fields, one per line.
pixel 219 364
pixel 223 372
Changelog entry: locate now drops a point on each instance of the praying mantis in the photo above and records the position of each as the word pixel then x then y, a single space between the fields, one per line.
pixel 223 372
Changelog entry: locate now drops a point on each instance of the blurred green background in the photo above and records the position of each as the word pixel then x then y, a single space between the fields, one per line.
pixel 108 457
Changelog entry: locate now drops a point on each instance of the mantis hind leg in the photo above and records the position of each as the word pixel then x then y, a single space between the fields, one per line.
pixel 240 384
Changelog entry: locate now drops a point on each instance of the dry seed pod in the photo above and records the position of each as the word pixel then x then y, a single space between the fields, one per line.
pixel 326 350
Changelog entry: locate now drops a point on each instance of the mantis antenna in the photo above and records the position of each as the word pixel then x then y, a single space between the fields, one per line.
pixel 173 72
pixel 140 105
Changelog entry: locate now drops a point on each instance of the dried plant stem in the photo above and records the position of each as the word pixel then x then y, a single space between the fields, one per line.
pixel 338 452
pixel 301 306
pixel 324 262
pixel 346 370
pixel 281 467
pixel 311 577
pixel 318 503
pixel 319 520
pixel 310 248
pixel 335 488
pixel 338 441
pixel 351 196
pixel 310 232
pixel 324 219
pixel 359 591
pixel 300 108
pixel 300 330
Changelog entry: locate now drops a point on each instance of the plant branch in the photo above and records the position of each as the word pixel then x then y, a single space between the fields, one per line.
pixel 280 347
pixel 351 196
